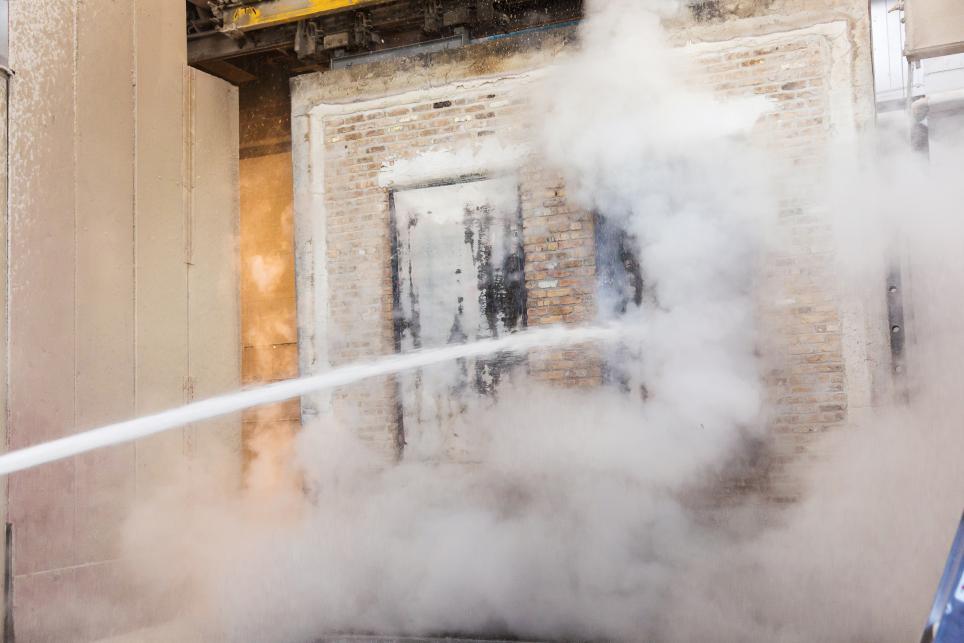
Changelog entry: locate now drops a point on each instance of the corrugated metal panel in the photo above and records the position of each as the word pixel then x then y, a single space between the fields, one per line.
pixel 934 27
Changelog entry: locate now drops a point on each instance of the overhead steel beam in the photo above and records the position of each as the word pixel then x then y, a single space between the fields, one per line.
pixel 271 13
pixel 217 46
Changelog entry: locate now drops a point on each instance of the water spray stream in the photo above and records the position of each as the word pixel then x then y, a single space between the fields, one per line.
pixel 137 428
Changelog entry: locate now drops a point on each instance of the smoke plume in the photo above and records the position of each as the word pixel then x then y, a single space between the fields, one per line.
pixel 598 514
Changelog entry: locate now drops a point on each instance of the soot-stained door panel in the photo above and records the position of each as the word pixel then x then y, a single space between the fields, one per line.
pixel 459 277
pixel 621 292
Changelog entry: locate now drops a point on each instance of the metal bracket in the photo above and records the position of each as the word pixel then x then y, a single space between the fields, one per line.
pixel 306 39
pixel 897 331
pixel 363 36
pixel 433 16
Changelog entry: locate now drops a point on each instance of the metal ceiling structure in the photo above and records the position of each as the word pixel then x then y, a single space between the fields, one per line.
pixel 245 16
pixel 229 37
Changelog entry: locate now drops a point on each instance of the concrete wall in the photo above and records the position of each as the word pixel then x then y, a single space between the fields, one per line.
pixel 4 312
pixel 359 132
pixel 122 284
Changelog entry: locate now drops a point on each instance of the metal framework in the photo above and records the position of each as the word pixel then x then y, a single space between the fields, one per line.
pixel 271 13
pixel 228 38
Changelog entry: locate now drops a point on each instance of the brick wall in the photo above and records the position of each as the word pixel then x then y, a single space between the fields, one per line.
pixel 799 312
pixel 358 145
pixel 807 64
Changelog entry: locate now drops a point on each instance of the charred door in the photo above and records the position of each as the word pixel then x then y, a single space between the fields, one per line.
pixel 458 277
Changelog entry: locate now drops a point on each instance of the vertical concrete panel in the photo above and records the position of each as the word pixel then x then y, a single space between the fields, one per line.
pixel 101 166
pixel 213 288
pixel 3 288
pixel 73 604
pixel 42 173
pixel 105 268
pixel 161 314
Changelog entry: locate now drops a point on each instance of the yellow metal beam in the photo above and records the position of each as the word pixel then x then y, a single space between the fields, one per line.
pixel 272 13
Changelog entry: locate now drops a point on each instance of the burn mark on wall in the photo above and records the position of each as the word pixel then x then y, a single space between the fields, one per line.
pixel 618 267
pixel 501 285
pixel 397 322
pixel 704 10
pixel 622 287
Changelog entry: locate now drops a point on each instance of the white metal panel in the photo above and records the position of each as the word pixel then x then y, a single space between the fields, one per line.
pixel 942 74
pixel 890 66
pixel 946 129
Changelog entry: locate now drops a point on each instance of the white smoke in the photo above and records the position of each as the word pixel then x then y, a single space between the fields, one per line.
pixel 571 522
pixel 585 515
pixel 859 557
pixel 667 164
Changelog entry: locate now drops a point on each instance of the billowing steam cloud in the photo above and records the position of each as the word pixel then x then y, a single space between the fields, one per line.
pixel 585 515
pixel 638 148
